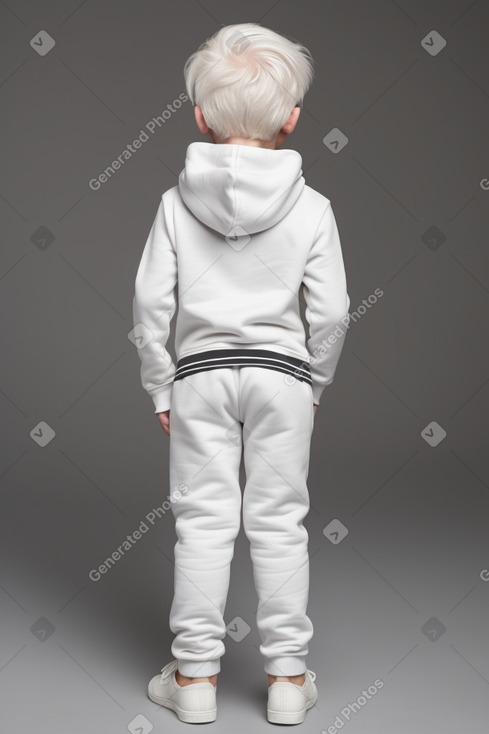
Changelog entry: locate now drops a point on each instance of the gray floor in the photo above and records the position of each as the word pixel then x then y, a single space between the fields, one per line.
pixel 398 606
pixel 399 454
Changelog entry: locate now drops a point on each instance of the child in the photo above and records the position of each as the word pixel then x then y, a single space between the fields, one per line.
pixel 238 235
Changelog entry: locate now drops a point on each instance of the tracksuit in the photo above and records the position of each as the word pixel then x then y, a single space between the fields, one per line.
pixel 236 244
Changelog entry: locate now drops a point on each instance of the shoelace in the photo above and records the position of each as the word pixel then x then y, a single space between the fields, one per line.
pixel 168 670
pixel 312 674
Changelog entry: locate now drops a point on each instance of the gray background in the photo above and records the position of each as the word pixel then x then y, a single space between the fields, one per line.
pixel 76 655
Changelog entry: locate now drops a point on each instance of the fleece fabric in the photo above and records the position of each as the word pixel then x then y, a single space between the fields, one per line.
pixel 237 243
pixel 217 419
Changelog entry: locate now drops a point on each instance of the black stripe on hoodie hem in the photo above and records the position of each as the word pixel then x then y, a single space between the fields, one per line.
pixel 266 358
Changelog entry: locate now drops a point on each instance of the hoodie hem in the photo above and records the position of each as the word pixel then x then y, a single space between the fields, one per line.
pixel 205 360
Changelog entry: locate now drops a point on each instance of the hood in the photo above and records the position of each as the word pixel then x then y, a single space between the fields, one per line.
pixel 230 186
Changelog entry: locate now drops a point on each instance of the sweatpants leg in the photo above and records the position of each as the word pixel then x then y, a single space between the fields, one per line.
pixel 205 454
pixel 278 421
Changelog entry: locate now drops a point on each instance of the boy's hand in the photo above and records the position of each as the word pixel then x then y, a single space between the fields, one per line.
pixel 315 408
pixel 164 419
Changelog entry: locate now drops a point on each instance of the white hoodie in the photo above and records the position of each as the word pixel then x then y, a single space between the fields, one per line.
pixel 236 238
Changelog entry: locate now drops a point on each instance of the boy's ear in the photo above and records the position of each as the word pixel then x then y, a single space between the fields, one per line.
pixel 199 119
pixel 292 121
pixel 289 126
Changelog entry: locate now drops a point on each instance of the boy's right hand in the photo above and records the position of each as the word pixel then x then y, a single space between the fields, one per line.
pixel 164 419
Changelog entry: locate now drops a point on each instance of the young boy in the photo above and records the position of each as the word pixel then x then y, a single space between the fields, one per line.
pixel 238 235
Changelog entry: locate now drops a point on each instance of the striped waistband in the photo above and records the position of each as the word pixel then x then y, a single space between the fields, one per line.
pixel 218 358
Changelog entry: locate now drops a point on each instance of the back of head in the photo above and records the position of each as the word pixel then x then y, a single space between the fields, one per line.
pixel 247 79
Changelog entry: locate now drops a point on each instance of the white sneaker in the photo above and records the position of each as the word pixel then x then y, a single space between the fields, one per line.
pixel 194 703
pixel 288 702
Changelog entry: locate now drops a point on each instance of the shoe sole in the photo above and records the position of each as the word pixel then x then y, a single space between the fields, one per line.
pixel 190 717
pixel 290 717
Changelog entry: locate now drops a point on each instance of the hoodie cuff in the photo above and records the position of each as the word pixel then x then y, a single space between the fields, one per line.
pixel 162 398
pixel 317 391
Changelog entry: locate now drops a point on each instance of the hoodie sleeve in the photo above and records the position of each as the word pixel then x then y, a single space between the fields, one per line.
pixel 327 303
pixel 153 308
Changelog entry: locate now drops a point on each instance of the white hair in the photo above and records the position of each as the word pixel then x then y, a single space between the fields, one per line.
pixel 247 79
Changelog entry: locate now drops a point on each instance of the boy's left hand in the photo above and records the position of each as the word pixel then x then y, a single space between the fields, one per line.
pixel 315 408
pixel 164 419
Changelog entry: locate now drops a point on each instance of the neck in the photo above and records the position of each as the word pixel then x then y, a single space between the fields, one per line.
pixel 270 144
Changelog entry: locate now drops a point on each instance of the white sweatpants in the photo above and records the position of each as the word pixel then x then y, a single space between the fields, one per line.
pixel 214 415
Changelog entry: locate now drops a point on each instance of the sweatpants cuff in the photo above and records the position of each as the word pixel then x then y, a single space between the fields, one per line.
pixel 286 666
pixel 196 669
